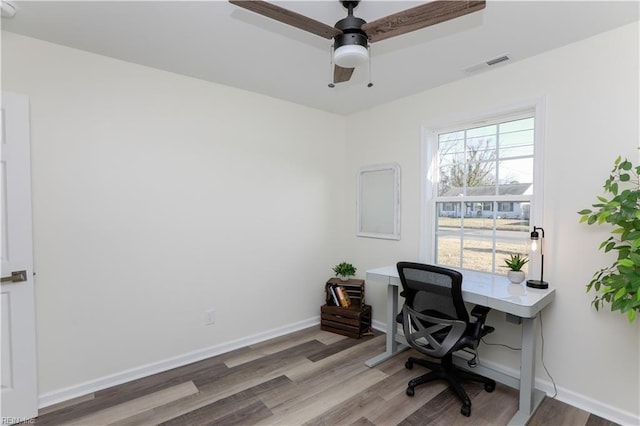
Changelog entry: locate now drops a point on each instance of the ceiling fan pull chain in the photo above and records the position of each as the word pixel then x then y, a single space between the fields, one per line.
pixel 370 83
pixel 331 85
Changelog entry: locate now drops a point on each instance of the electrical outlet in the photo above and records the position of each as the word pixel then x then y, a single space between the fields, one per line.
pixel 209 317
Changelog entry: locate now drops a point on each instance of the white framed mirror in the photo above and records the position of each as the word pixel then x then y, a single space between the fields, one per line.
pixel 378 203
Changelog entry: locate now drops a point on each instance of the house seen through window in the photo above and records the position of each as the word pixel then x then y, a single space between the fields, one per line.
pixel 482 193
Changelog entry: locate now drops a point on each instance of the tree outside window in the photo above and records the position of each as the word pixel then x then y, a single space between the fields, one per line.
pixel 484 192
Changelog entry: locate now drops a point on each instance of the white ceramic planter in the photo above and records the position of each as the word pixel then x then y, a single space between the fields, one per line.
pixel 515 277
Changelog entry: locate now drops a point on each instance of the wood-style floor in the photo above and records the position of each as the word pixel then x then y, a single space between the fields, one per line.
pixel 310 377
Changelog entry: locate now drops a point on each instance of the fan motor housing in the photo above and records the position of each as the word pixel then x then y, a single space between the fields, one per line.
pixel 351 32
pixel 349 3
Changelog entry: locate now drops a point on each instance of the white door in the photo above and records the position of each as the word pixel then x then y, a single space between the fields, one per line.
pixel 18 329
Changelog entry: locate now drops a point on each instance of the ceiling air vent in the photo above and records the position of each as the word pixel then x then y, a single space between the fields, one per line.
pixel 484 65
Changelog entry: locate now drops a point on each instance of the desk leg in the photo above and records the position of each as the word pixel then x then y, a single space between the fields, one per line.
pixel 392 347
pixel 530 397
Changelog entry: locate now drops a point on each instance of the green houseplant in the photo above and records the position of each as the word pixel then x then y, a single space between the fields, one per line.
pixel 619 284
pixel 344 270
pixel 515 263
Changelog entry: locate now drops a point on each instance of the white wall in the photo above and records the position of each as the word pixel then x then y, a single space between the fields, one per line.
pixel 592 94
pixel 158 196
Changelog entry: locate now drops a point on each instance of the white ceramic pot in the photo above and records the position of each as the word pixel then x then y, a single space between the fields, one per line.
pixel 515 277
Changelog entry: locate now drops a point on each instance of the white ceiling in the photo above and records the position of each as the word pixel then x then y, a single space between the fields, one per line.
pixel 219 42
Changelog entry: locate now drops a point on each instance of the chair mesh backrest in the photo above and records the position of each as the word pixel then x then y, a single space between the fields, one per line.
pixel 433 288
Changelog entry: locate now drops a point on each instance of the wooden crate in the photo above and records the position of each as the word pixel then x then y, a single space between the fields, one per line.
pixel 350 322
pixel 354 321
pixel 355 289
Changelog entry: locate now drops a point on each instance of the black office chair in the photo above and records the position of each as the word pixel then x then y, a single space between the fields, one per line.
pixel 436 323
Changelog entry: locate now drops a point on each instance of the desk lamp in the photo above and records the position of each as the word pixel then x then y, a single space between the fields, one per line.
pixel 535 236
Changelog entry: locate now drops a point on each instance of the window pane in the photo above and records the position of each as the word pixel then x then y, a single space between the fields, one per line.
pixel 478 215
pixel 481 179
pixel 452 136
pixel 448 249
pixel 513 172
pixel 477 239
pixel 517 125
pixel 481 149
pixel 513 210
pixel 451 148
pixel 477 252
pixel 451 163
pixel 449 215
pixel 512 237
pixel 454 155
pixel 451 181
pixel 480 223
pixel 482 131
pixel 516 144
pixel 448 227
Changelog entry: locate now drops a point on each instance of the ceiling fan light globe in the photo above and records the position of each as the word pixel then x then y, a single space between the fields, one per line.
pixel 350 56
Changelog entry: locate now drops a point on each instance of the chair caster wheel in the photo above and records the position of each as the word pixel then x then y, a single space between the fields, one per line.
pixel 408 365
pixel 489 387
pixel 410 392
pixel 465 410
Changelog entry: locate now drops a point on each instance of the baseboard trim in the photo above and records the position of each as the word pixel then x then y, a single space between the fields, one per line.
pixel 380 326
pixel 593 406
pixel 575 399
pixel 65 394
pixel 567 396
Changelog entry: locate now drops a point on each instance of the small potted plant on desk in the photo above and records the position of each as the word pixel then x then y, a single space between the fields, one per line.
pixel 515 262
pixel 344 270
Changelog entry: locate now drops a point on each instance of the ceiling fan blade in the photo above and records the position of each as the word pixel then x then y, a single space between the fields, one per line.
pixel 288 17
pixel 341 74
pixel 419 17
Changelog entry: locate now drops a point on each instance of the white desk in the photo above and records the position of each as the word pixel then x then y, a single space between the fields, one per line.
pixel 497 293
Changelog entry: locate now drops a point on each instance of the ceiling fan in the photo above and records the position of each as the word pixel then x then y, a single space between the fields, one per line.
pixel 352 35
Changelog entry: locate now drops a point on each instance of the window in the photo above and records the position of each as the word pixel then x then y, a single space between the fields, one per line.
pixel 481 177
pixel 505 207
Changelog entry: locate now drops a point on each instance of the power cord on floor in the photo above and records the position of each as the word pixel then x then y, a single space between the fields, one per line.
pixel 500 344
pixel 553 382
pixel 473 362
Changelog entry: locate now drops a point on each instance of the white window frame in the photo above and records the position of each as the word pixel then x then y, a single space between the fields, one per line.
pixel 429 171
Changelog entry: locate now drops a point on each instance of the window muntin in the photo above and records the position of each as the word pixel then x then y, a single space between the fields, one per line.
pixel 484 190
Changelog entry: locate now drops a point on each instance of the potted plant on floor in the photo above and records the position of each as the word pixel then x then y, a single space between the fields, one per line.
pixel 344 270
pixel 515 262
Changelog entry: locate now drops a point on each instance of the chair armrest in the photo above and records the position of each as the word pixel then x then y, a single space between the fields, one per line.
pixel 480 312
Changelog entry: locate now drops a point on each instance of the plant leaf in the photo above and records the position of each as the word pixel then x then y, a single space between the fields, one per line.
pixel 619 284
pixel 626 262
